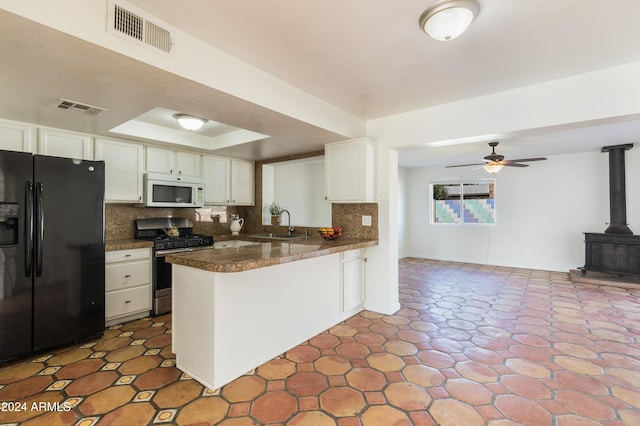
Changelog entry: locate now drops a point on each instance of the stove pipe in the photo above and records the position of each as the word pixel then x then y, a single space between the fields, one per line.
pixel 617 190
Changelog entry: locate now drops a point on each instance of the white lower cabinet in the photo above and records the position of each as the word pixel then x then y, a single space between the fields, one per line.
pixel 127 285
pixel 353 280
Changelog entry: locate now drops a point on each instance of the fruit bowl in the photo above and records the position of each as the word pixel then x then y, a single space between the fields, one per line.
pixel 330 233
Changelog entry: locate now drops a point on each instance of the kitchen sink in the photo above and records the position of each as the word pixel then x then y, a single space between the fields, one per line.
pixel 277 236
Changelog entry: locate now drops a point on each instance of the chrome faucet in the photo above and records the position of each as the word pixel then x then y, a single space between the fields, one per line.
pixel 290 227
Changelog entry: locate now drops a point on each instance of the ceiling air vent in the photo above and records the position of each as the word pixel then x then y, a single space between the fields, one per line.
pixel 68 105
pixel 135 26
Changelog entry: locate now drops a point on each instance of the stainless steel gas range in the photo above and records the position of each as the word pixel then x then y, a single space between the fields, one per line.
pixel 169 235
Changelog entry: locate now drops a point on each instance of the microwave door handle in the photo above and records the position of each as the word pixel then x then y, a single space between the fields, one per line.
pixel 28 229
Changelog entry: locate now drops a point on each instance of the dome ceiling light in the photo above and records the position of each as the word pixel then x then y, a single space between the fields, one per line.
pixel 189 122
pixel 447 19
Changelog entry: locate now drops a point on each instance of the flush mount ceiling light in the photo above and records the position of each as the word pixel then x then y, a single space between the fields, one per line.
pixel 447 19
pixel 189 122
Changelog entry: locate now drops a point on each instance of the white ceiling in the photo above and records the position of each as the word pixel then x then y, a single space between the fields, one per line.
pixel 368 58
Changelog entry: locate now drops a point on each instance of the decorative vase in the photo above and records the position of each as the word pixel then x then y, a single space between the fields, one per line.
pixel 275 220
pixel 236 226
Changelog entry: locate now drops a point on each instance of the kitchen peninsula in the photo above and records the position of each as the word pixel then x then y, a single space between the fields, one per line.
pixel 236 308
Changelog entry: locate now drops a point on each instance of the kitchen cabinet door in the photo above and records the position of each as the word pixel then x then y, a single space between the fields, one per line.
pixel 168 161
pixel 350 171
pixel 188 164
pixel 16 136
pixel 353 280
pixel 159 160
pixel 65 144
pixel 217 180
pixel 242 182
pixel 123 169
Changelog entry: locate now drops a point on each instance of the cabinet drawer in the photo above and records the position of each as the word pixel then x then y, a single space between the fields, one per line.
pixel 352 254
pixel 127 255
pixel 127 274
pixel 125 302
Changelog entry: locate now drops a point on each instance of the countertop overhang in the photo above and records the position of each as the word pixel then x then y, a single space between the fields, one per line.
pixel 113 245
pixel 261 255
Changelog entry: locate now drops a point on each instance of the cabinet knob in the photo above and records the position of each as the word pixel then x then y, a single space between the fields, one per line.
pixel 326 197
pixel 128 276
pixel 127 255
pixel 127 301
pixel 170 171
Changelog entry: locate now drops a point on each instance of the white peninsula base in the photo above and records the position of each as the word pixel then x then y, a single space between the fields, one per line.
pixel 227 323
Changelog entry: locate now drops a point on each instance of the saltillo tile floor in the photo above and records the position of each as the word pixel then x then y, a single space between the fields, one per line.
pixel 472 345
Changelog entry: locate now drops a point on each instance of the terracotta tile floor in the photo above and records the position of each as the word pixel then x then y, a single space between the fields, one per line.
pixel 472 345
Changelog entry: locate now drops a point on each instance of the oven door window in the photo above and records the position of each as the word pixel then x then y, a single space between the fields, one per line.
pixel 172 194
pixel 163 274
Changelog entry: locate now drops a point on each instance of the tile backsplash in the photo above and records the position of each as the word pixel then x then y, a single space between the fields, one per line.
pixel 349 218
pixel 119 219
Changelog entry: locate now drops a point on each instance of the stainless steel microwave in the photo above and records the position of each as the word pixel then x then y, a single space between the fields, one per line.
pixel 161 190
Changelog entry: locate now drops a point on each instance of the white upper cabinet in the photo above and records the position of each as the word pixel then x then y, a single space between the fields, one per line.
pixel 16 136
pixel 216 172
pixel 124 162
pixel 350 171
pixel 188 163
pixel 65 144
pixel 159 160
pixel 242 182
pixel 228 181
pixel 168 161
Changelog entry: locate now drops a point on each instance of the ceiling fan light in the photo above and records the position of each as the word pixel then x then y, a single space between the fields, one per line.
pixel 493 167
pixel 448 19
pixel 189 122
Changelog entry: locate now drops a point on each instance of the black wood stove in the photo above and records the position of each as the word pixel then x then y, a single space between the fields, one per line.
pixel 617 250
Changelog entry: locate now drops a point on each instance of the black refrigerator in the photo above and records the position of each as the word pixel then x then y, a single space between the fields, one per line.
pixel 51 252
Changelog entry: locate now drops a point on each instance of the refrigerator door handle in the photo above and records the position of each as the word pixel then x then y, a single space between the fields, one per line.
pixel 40 229
pixel 28 229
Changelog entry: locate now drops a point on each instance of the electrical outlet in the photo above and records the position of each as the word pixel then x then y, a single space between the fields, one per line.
pixel 366 220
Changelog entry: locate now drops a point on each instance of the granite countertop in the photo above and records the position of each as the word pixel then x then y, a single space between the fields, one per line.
pixel 261 255
pixel 114 245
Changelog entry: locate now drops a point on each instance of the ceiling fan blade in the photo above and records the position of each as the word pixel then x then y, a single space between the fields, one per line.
pixel 512 164
pixel 465 165
pixel 525 160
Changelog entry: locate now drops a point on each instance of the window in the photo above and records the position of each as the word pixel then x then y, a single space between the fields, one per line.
pixel 463 202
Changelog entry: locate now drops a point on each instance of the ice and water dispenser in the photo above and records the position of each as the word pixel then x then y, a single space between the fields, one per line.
pixel 8 224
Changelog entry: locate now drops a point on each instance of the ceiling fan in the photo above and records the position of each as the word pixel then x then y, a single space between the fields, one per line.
pixel 493 162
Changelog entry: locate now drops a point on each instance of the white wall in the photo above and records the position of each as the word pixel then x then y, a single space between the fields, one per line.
pixel 403 247
pixel 541 210
pixel 298 187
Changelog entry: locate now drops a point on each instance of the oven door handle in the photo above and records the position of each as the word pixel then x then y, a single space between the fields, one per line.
pixel 162 253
